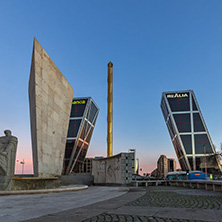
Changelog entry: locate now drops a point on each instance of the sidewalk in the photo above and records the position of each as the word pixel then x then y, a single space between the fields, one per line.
pixel 139 204
pixel 27 207
pixel 92 210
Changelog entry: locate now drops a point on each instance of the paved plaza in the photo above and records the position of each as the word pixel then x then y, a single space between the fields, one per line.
pixel 168 204
pixel 161 203
pixel 22 207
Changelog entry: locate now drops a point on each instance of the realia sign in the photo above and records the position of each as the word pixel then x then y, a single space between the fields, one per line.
pixel 177 95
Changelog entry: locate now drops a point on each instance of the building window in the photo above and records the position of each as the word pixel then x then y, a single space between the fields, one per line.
pixel 194 104
pixel 198 161
pixel 73 127
pixel 187 143
pixel 198 125
pixel 190 159
pixel 92 112
pixel 202 144
pixel 179 104
pixel 171 128
pixel 78 109
pixel 183 122
pixel 178 148
pixel 164 109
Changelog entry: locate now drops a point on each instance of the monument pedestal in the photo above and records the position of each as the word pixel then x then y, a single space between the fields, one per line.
pixel 4 182
pixel 34 183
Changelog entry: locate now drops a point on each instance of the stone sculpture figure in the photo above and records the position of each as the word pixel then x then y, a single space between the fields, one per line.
pixel 8 147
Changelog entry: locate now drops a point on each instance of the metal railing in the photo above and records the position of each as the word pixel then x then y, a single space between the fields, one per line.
pixel 213 185
pixel 149 182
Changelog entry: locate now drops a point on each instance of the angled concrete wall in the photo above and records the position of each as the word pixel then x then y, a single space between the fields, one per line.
pixel 113 170
pixel 50 99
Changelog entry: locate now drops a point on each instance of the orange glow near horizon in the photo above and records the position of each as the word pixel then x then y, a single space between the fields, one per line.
pixel 24 152
pixel 28 167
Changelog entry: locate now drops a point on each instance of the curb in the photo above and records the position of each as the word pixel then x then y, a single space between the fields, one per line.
pixel 56 190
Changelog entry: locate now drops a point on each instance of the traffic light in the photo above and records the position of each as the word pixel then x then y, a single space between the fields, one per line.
pixel 187 172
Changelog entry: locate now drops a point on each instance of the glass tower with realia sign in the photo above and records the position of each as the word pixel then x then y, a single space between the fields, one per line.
pixel 188 131
pixel 82 121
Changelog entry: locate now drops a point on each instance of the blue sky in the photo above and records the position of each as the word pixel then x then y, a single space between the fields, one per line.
pixel 155 46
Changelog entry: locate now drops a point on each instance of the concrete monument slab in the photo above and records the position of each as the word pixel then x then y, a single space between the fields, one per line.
pixel 50 99
pixel 113 170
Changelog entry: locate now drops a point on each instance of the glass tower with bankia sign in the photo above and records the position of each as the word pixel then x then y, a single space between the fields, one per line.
pixel 188 131
pixel 82 121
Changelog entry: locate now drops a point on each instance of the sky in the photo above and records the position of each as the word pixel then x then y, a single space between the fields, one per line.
pixel 155 46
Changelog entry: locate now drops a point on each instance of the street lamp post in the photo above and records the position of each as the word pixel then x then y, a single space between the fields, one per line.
pixel 17 161
pixel 23 163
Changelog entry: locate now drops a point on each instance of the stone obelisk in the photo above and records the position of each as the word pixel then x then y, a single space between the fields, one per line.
pixel 110 111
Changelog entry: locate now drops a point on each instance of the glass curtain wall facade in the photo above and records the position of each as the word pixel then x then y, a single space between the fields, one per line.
pixel 188 132
pixel 82 121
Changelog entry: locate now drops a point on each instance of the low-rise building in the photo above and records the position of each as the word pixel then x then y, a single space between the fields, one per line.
pixel 171 165
pixel 162 166
pixel 165 165
pixel 154 173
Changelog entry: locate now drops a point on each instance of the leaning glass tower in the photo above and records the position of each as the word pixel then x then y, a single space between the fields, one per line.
pixel 188 132
pixel 82 121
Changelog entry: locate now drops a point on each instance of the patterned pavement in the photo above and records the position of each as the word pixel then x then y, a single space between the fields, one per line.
pixel 173 197
pixel 132 218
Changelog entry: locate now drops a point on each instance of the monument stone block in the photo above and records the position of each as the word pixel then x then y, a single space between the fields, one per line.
pixel 50 99
pixel 112 170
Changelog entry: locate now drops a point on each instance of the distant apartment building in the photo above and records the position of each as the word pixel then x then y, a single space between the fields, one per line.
pixel 165 165
pixel 154 173
pixel 162 166
pixel 135 169
pixel 171 165
pixel 82 121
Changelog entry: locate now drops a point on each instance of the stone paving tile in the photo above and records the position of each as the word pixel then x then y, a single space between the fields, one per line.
pixel 134 218
pixel 177 197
